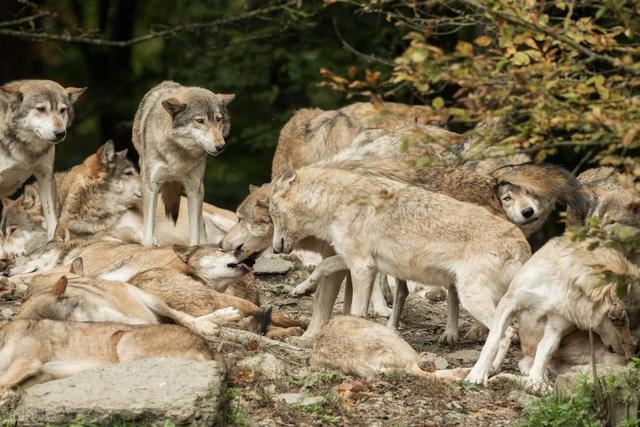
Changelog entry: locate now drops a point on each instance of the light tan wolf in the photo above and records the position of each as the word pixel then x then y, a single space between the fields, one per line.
pixel 34 117
pixel 382 225
pixel 173 130
pixel 360 347
pixel 35 351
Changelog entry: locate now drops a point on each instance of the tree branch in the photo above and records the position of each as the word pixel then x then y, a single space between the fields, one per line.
pixel 554 35
pixel 364 56
pixel 24 20
pixel 166 33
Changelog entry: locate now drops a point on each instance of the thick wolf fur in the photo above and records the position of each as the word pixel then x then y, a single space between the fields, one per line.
pixel 374 221
pixel 173 130
pixel 560 283
pixel 34 117
pixel 35 351
pixel 85 299
pixel 313 134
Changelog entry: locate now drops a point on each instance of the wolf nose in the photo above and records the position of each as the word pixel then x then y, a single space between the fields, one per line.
pixel 60 134
pixel 219 147
pixel 237 250
pixel 527 213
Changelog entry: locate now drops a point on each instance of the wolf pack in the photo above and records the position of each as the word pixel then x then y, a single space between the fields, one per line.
pixel 107 271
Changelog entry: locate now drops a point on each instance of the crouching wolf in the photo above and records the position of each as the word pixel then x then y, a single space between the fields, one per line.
pixel 34 117
pixel 35 351
pixel 173 130
pixel 376 224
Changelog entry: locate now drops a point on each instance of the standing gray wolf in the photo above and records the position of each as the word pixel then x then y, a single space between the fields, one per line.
pixel 34 117
pixel 376 224
pixel 35 351
pixel 173 130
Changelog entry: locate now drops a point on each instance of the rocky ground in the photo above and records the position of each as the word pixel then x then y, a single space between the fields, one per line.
pixel 270 383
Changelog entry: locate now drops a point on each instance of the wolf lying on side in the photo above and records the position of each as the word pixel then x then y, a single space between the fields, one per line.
pixel 357 346
pixel 34 117
pixel 35 351
pixel 376 224
pixel 174 129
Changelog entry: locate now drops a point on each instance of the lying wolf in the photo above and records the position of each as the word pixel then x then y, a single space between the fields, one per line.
pixel 373 223
pixel 35 351
pixel 34 117
pixel 173 130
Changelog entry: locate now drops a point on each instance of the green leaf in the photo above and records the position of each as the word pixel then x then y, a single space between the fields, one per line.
pixel 437 103
pixel 520 58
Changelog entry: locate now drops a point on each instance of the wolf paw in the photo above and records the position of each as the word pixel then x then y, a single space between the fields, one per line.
pixel 225 315
pixel 448 338
pixel 7 288
pixel 477 333
pixel 305 288
pixel 380 310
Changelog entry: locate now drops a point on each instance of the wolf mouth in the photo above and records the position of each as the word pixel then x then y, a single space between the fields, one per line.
pixel 529 221
pixel 247 263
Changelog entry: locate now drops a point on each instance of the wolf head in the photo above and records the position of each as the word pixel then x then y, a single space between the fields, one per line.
pixel 528 193
pixel 621 206
pixel 285 226
pixel 42 110
pixel 23 226
pixel 212 265
pixel 119 179
pixel 48 302
pixel 200 120
pixel 254 231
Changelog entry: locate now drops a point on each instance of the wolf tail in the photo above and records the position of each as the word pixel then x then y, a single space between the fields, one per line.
pixel 259 322
pixel 171 199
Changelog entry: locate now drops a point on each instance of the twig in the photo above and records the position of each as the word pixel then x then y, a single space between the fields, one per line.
pixel 367 57
pixel 166 33
pixel 245 338
pixel 25 19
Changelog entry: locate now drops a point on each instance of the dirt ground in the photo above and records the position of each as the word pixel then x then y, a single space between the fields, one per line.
pixel 335 399
pixel 394 400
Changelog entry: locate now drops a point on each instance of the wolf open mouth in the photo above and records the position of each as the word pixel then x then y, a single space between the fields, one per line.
pixel 247 263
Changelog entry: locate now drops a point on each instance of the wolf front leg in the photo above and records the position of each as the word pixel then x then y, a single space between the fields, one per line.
pixel 402 291
pixel 149 204
pixel 195 196
pixel 323 301
pixel 362 277
pixel 18 371
pixel 47 186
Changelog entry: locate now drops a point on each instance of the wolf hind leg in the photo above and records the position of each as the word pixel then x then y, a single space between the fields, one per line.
pixel 379 307
pixel 362 278
pixel 149 204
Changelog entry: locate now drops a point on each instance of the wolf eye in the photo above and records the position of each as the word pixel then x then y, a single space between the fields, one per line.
pixel 199 120
pixel 41 109
pixel 506 198
pixel 128 173
pixel 218 118
pixel 11 230
pixel 63 110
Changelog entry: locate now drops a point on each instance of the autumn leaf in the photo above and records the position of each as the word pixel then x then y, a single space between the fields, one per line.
pixel 520 58
pixel 483 41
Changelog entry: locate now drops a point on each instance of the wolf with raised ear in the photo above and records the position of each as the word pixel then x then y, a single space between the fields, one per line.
pixel 34 117
pixel 174 129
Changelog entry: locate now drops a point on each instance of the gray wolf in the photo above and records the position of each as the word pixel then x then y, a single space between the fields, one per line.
pixel 360 347
pixel 34 117
pixel 174 129
pixel 35 351
pixel 558 290
pixel 376 224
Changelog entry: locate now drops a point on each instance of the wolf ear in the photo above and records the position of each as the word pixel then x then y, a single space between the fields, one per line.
pixel 12 93
pixel 253 188
pixel 77 267
pixel 6 202
pixel 174 106
pixel 122 154
pixel 59 287
pixel 106 154
pixel 225 97
pixel 184 252
pixel 74 93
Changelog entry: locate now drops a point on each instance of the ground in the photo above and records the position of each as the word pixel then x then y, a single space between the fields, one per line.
pixel 332 398
pixel 393 400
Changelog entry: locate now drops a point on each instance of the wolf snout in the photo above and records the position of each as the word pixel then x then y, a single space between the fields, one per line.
pixel 280 247
pixel 528 212
pixel 59 135
pixel 219 147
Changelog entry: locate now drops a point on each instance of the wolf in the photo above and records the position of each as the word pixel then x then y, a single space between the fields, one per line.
pixel 560 284
pixel 174 129
pixel 375 220
pixel 35 351
pixel 366 349
pixel 35 116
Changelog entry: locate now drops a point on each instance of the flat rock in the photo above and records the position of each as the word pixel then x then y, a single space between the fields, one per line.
pixel 272 264
pixel 464 356
pixel 566 383
pixel 264 364
pixel 148 392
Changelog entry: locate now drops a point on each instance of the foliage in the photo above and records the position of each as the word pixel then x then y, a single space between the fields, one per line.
pixel 582 408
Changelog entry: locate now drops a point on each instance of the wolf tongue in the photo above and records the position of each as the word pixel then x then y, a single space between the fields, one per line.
pixel 246 266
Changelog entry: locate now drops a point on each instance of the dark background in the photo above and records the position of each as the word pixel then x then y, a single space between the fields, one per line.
pixel 272 65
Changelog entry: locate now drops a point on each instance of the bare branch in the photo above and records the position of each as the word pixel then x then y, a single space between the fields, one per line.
pixel 364 56
pixel 165 33
pixel 24 20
